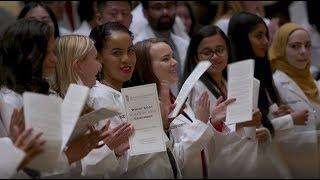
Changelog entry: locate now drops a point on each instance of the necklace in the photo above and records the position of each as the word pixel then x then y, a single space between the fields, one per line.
pixel 108 84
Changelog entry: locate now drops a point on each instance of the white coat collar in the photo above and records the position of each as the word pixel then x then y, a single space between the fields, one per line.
pixel 286 82
pixel 108 88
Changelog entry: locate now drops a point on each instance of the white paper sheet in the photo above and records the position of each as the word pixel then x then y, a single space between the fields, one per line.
pixel 42 113
pixel 251 131
pixel 11 157
pixel 143 111
pixel 187 86
pixel 71 109
pixel 6 111
pixel 91 118
pixel 255 97
pixel 240 86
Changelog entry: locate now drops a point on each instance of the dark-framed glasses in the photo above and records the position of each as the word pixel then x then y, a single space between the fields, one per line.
pixel 208 53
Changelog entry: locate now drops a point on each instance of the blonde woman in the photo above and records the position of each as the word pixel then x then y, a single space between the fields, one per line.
pixel 78 63
pixel 27 45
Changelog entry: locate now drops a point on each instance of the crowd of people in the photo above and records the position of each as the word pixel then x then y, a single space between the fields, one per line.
pixel 118 46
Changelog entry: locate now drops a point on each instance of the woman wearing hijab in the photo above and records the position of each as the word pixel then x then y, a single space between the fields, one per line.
pixel 290 56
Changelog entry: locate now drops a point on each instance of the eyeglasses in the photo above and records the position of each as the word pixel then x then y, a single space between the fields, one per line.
pixel 208 53
pixel 161 6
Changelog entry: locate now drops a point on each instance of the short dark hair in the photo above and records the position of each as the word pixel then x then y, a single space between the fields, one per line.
pixel 23 49
pixel 29 5
pixel 145 4
pixel 100 33
pixel 101 4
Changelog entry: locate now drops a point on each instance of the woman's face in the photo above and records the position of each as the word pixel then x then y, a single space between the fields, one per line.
pixel 50 60
pixel 298 49
pixel 216 48
pixel 40 14
pixel 259 40
pixel 118 57
pixel 163 64
pixel 90 67
pixel 183 12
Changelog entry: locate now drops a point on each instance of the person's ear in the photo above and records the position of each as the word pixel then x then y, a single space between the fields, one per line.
pixel 99 57
pixel 145 13
pixel 77 66
pixel 98 18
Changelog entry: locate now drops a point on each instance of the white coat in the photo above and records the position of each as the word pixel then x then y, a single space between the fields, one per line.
pixel 300 147
pixel 11 157
pixel 232 149
pixel 154 165
pixel 13 100
pixel 190 138
pixel 103 161
pixel 84 29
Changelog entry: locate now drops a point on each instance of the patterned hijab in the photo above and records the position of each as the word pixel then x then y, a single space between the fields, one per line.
pixel 277 56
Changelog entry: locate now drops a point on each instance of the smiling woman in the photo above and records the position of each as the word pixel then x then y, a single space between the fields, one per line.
pixel 115 51
pixel 210 43
pixel 165 67
pixel 248 36
pixel 113 42
pixel 40 12
pixel 290 54
pixel 77 62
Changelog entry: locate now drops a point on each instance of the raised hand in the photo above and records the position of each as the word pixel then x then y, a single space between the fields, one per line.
pixel 165 104
pixel 32 145
pixel 219 112
pixel 122 148
pixel 82 145
pixel 256 118
pixel 262 134
pixel 17 125
pixel 282 110
pixel 300 117
pixel 203 107
pixel 255 122
pixel 118 135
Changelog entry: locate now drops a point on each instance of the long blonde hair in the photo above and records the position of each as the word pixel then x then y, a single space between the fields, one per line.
pixel 69 49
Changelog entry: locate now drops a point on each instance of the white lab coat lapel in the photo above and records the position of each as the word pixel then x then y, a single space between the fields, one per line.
pixel 300 99
pixel 287 82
